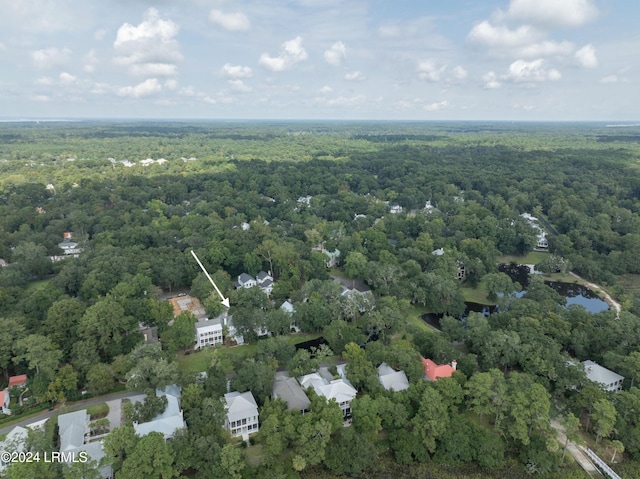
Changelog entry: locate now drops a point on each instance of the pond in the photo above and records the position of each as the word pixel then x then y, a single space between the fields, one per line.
pixel 573 293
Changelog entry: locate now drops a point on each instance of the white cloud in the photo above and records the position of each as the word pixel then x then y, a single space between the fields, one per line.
pixel 146 88
pixel 553 13
pixel 336 54
pixel 390 31
pixel 522 71
pixel 100 34
pixel 502 36
pixel 90 61
pixel 67 78
pixel 586 56
pixel 51 57
pixel 239 86
pixel 234 22
pixel 545 48
pixel 355 76
pixel 427 70
pixel 491 81
pixel 44 81
pixel 236 71
pixel 291 52
pixel 171 84
pixel 325 90
pixel 610 79
pixel 149 48
pixel 342 100
pixel 436 106
pixel 459 72
pixel 41 98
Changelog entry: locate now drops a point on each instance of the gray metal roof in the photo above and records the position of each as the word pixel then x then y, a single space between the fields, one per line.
pixel 240 405
pixel 288 389
pixel 600 374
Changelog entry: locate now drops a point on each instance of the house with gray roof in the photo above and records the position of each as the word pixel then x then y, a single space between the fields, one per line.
pixel 290 391
pixel 246 281
pixel 391 379
pixel 242 414
pixel 167 422
pixel 74 439
pixel 607 379
pixel 339 390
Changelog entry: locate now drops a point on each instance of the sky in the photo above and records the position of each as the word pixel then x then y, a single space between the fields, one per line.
pixel 519 60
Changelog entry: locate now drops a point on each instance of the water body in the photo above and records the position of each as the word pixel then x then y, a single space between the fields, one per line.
pixel 573 294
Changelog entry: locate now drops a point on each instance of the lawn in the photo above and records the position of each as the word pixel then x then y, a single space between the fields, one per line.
pixel 476 295
pixel 414 318
pixel 39 284
pixel 201 360
pixel 533 257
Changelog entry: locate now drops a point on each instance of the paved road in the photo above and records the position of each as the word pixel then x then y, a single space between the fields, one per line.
pixel 577 451
pixel 68 408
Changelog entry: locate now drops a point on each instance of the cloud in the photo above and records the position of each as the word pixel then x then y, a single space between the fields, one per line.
pixel 150 47
pixel 325 90
pixel 67 78
pixel 239 86
pixel 355 76
pixel 291 52
pixel 491 81
pixel 502 36
pixel 41 98
pixel 146 88
pixel 342 100
pixel 553 13
pixel 586 56
pixel 436 106
pixel 51 57
pixel 545 48
pixel 236 71
pixel 389 31
pixel 233 22
pixel 427 70
pixel 459 73
pixel 336 54
pixel 522 71
pixel 44 81
pixel 90 61
pixel 610 79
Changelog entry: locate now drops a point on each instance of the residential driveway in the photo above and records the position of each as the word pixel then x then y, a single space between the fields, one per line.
pixel 577 451
pixel 71 407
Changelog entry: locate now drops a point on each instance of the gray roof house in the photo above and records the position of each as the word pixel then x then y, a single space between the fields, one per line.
pixel 242 414
pixel 74 431
pixel 391 379
pixel 607 379
pixel 290 391
pixel 167 422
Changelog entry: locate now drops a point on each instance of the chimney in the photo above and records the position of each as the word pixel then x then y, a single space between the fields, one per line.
pixel 454 365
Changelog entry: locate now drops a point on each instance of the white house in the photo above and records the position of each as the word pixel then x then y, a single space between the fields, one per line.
pixel 246 281
pixel 395 209
pixel 391 379
pixel 332 257
pixel 339 390
pixel 69 246
pixel 288 308
pixel 209 331
pixel 167 422
pixel 265 282
pixel 607 379
pixel 242 414
pixel 15 441
pixel 5 399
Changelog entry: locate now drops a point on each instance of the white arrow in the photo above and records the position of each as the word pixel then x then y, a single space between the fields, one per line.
pixel 225 301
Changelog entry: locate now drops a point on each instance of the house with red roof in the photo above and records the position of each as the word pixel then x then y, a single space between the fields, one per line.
pixel 19 381
pixel 433 371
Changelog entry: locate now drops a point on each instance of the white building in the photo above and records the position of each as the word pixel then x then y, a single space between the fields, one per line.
pixel 167 422
pixel 242 414
pixel 74 438
pixel 209 331
pixel 607 379
pixel 339 390
pixel 391 379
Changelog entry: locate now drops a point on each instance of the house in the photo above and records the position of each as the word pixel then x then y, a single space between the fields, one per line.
pixel 74 436
pixel 428 207
pixel 288 308
pixel 395 209
pixel 333 257
pixel 149 333
pixel 433 371
pixel 15 441
pixel 69 246
pixel 246 281
pixel 18 381
pixel 209 331
pixel 5 399
pixel 607 379
pixel 391 379
pixel 167 422
pixel 339 390
pixel 542 240
pixel 147 162
pixel 245 226
pixel 438 252
pixel 305 200
pixel 265 282
pixel 242 414
pixel 363 299
pixel 290 391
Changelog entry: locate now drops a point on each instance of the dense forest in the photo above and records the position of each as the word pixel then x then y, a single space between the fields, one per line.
pixel 259 196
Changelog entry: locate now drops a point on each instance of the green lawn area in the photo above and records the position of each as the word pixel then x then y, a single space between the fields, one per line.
pixel 199 361
pixel 415 318
pixel 476 295
pixel 533 257
pixel 39 284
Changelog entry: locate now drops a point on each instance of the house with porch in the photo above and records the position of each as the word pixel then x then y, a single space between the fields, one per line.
pixel 433 371
pixel 242 414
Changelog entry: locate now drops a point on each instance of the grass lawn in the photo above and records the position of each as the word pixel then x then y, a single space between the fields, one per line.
pixel 415 318
pixel 39 284
pixel 533 257
pixel 630 283
pixel 199 361
pixel 476 295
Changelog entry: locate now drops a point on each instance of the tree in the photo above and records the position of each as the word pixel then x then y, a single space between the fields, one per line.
pixel 100 379
pixel 231 461
pixel 571 425
pixel 255 377
pixel 366 417
pixel 499 283
pixel 62 321
pixel 432 419
pixel 181 335
pixel 65 382
pixel 355 265
pixel 31 259
pixel 632 364
pixel 81 470
pixel 360 370
pixel 40 353
pixel 120 442
pixel 350 453
pixel 339 333
pixel 150 373
pixel 604 418
pixel 617 447
pixel 151 458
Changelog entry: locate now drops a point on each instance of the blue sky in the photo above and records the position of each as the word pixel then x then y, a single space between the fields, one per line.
pixel 321 59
